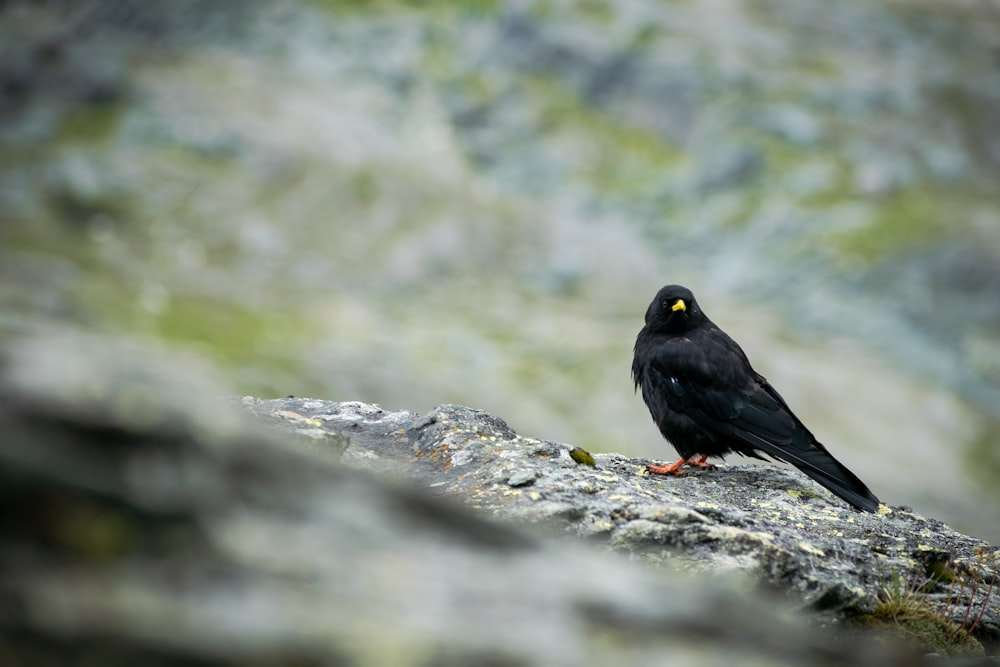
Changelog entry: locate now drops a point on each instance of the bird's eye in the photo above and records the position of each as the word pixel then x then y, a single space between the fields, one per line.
pixel 665 304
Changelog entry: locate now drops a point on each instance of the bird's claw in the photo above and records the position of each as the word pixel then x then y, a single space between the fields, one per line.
pixel 700 461
pixel 675 467
pixel 664 469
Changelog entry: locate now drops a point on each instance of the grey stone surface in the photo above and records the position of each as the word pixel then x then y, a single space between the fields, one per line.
pixel 768 522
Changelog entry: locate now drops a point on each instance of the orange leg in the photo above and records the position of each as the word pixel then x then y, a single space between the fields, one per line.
pixel 672 469
pixel 699 461
pixel 675 467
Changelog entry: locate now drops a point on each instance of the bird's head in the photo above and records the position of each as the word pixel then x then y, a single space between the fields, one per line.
pixel 674 310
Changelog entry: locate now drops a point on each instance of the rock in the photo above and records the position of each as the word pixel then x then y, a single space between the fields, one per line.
pixel 179 538
pixel 523 478
pixel 767 522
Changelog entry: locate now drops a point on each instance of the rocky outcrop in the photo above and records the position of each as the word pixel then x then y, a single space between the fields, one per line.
pixel 148 522
pixel 769 522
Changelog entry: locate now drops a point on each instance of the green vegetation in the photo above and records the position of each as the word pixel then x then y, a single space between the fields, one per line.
pixel 92 124
pixel 258 345
pixel 618 160
pixel 582 457
pixel 906 611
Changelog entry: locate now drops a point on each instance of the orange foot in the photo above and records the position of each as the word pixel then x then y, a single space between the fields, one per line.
pixel 699 461
pixel 675 467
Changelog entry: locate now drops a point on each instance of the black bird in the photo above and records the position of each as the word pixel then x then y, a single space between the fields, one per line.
pixel 707 400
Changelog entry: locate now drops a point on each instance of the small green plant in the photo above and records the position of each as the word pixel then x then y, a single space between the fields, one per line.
pixel 905 611
pixel 966 587
pixel 904 604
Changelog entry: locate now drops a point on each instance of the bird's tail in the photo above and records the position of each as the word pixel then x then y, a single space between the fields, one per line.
pixel 812 458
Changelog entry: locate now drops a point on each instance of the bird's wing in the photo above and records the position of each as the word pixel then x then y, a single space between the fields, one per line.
pixel 750 411
pixel 708 378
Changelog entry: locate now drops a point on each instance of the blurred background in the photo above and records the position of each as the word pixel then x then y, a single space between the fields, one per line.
pixel 418 203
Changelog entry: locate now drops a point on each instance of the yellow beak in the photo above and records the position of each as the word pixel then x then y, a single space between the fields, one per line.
pixel 680 305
